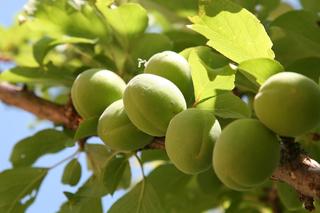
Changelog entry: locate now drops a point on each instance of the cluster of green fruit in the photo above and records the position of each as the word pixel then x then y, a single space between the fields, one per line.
pixel 155 104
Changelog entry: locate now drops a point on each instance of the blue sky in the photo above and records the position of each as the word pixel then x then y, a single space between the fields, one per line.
pixel 15 125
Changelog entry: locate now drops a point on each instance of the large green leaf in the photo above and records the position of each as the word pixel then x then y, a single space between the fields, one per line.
pixel 19 187
pixel 296 36
pixel 308 67
pixel 233 31
pixel 141 199
pixel 168 179
pixel 45 44
pixel 128 21
pixel 28 150
pixel 259 70
pixel 98 156
pixel 72 173
pixel 48 75
pixel 113 172
pixel 87 128
pixel 204 87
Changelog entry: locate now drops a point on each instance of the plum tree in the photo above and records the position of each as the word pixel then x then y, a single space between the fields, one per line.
pixel 190 138
pixel 151 101
pixel 116 130
pixel 289 104
pixel 288 196
pixel 174 67
pixel 94 90
pixel 245 154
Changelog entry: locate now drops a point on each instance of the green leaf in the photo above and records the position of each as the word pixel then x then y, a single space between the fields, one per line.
pixel 153 154
pixel 86 199
pixel 233 31
pixel 226 105
pixel 299 36
pixel 307 66
pixel 312 5
pixel 113 172
pixel 168 179
pixel 49 75
pixel 19 187
pixel 87 128
pixel 97 157
pixel 128 21
pixel 45 44
pixel 72 173
pixel 183 39
pixel 204 88
pixel 28 150
pixel 259 70
pixel 141 199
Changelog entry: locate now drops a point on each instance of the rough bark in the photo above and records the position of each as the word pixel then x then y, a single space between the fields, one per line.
pixel 296 168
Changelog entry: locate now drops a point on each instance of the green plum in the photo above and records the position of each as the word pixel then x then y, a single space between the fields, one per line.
pixel 190 139
pixel 246 154
pixel 289 104
pixel 151 102
pixel 116 130
pixel 174 67
pixel 94 90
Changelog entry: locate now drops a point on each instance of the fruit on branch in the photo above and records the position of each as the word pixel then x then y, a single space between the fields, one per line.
pixel 174 67
pixel 151 102
pixel 289 104
pixel 116 130
pixel 245 154
pixel 190 139
pixel 94 90
pixel 289 196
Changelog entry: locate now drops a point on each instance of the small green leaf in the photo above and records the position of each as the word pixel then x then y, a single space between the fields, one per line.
pixel 72 173
pixel 97 157
pixel 113 172
pixel 19 187
pixel 226 105
pixel 87 128
pixel 45 44
pixel 141 199
pixel 259 70
pixel 28 150
pixel 153 155
pixel 86 199
pixel 233 31
pixel 128 21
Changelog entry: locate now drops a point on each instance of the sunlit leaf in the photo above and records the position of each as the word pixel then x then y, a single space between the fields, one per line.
pixel 233 31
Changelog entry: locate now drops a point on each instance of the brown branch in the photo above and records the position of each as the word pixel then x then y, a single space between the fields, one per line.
pixel 28 101
pixel 300 171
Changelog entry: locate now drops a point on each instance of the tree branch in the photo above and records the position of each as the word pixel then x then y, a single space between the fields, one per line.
pixel 300 171
pixel 28 101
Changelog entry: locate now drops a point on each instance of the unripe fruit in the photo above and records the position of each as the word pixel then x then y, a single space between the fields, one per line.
pixel 289 196
pixel 190 138
pixel 116 130
pixel 289 104
pixel 245 154
pixel 151 101
pixel 94 90
pixel 174 67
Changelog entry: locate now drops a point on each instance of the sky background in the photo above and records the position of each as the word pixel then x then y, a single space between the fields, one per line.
pixel 16 124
